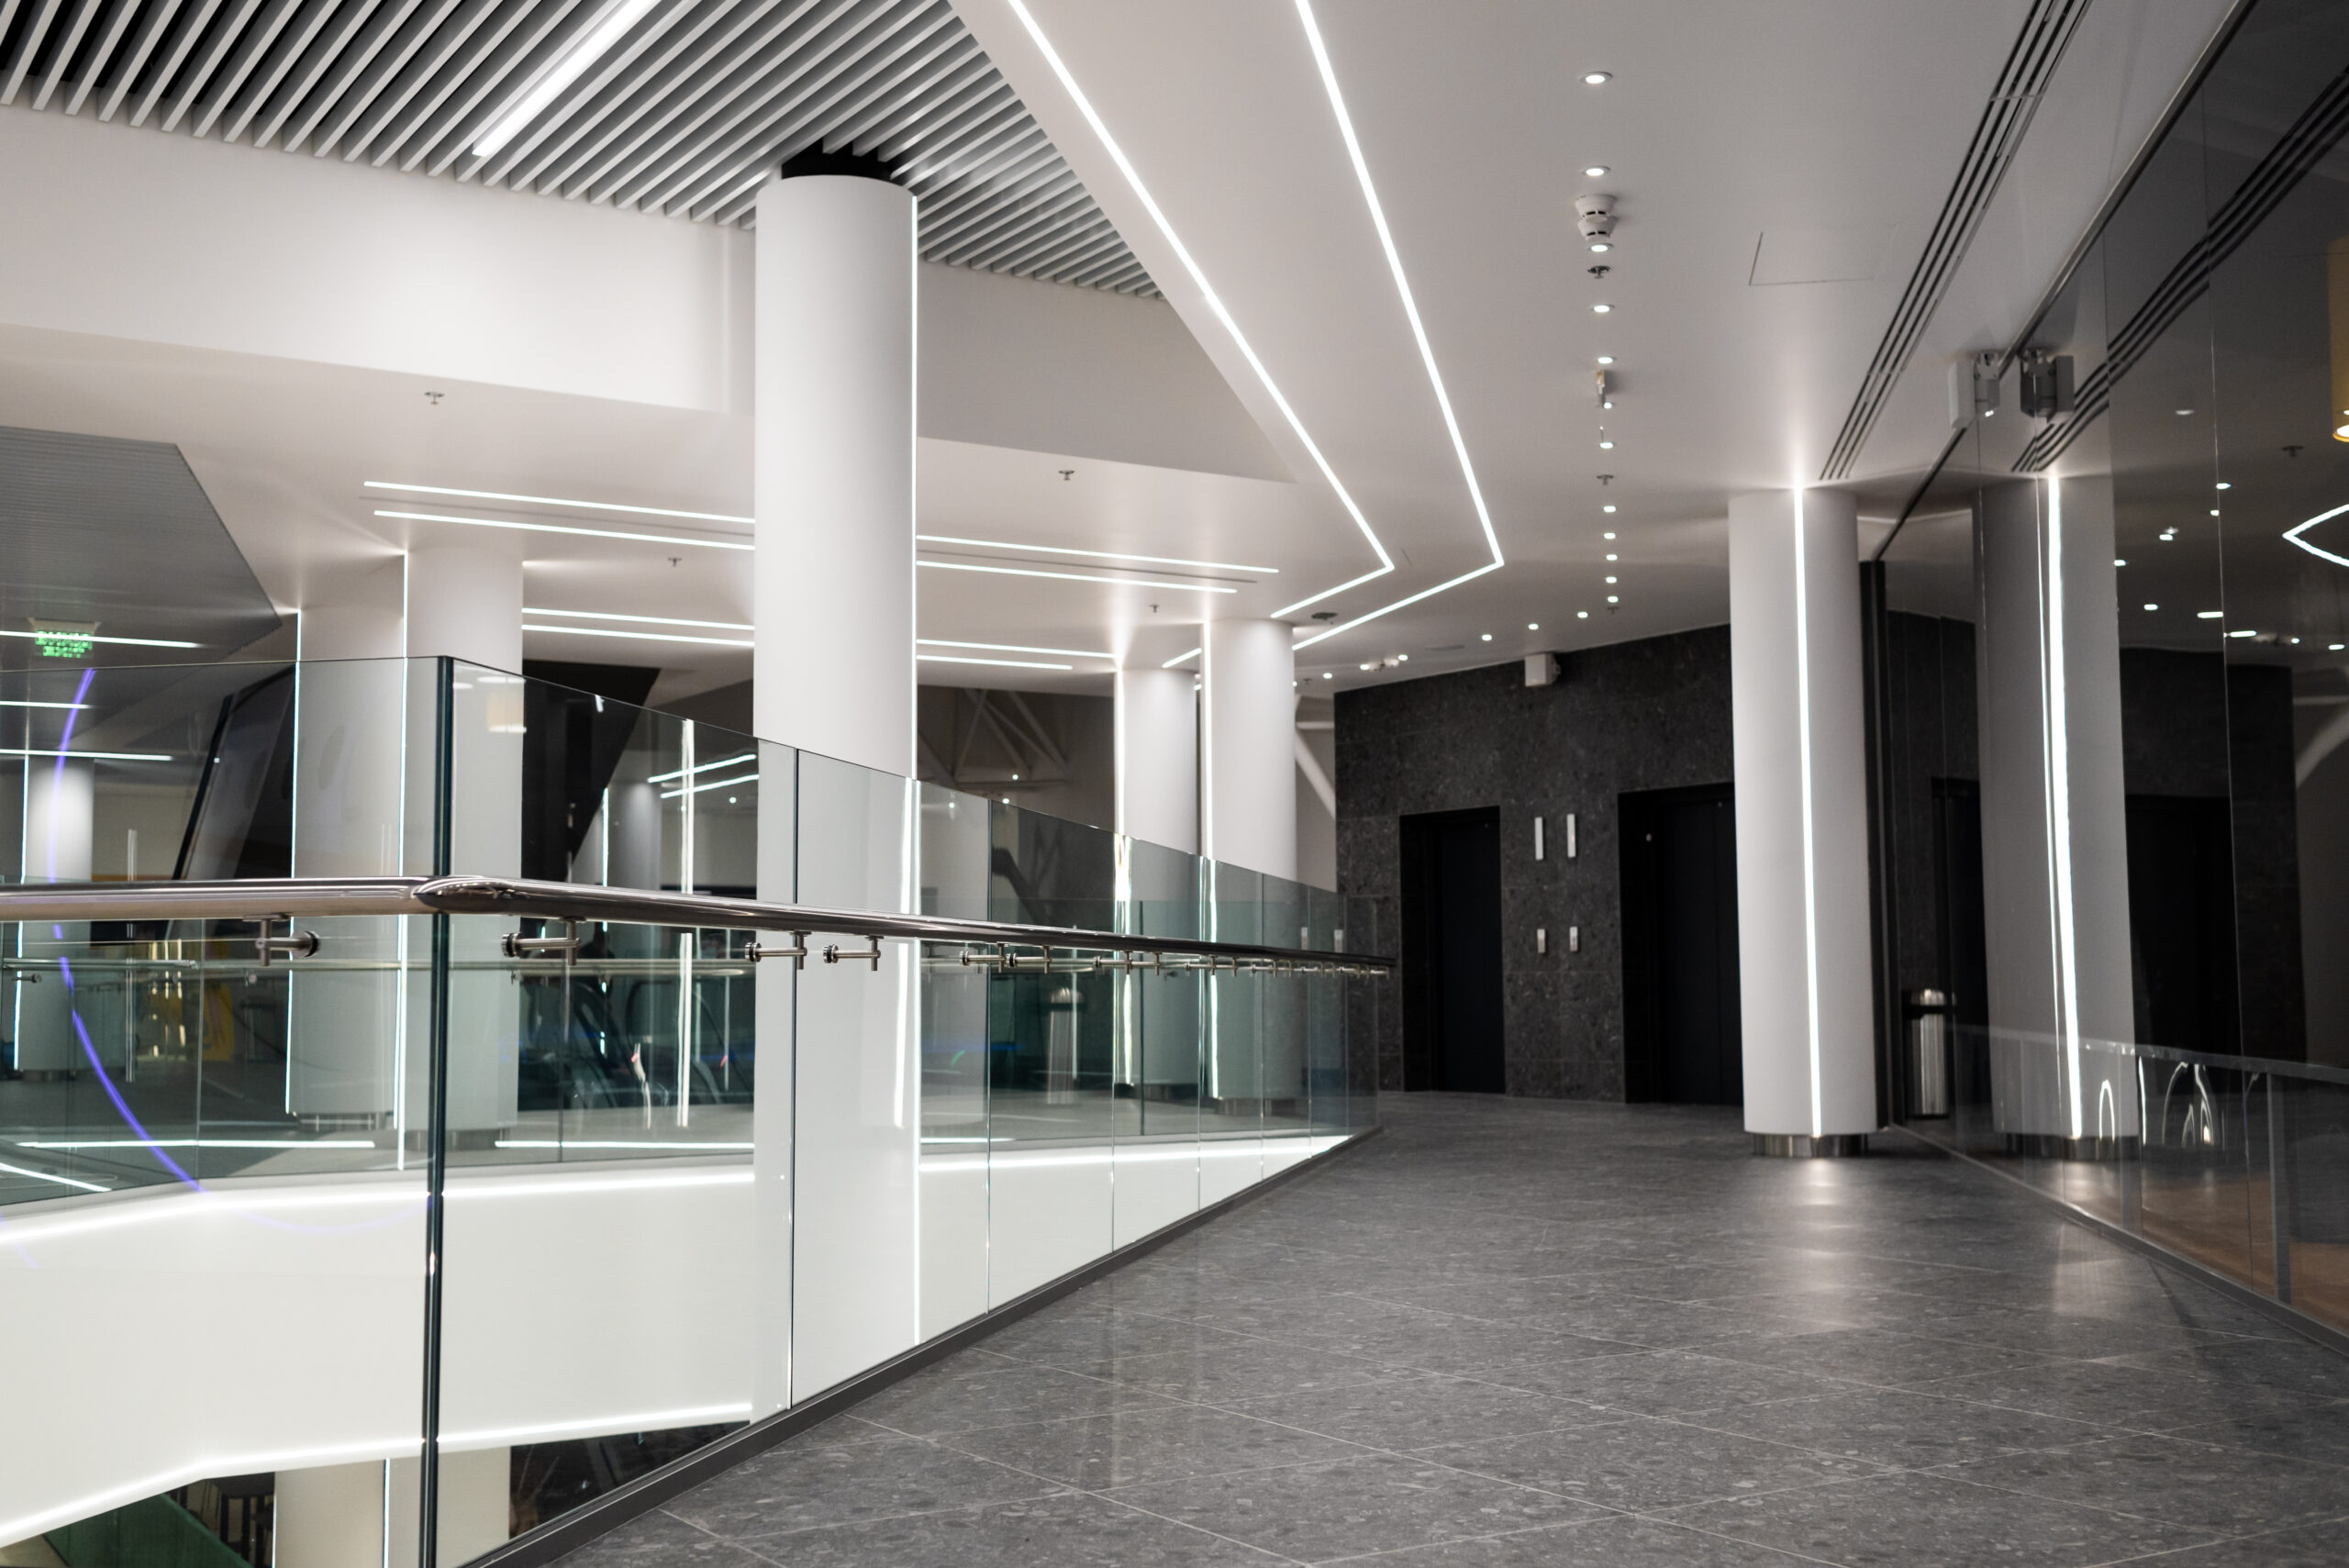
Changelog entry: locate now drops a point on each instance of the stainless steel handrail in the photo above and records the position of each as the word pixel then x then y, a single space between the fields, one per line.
pixel 261 899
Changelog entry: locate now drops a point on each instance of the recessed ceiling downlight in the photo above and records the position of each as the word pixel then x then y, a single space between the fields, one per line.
pixel 1601 309
pixel 1595 171
pixel 1597 78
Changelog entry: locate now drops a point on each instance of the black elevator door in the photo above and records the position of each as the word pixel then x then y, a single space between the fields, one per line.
pixel 1451 917
pixel 1683 1041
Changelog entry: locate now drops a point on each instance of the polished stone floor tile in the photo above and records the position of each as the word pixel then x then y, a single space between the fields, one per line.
pixel 1420 1412
pixel 1893 1426
pixel 969 1391
pixel 1658 1383
pixel 1375 1503
pixel 2181 1483
pixel 1149 1445
pixel 1073 1531
pixel 1603 1543
pixel 1643 1464
pixel 660 1540
pixel 790 1489
pixel 1510 1332
pixel 1933 1521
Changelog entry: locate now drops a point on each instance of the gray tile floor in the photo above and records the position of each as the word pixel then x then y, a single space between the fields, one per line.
pixel 1520 1331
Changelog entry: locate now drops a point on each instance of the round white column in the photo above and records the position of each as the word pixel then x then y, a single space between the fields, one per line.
pixel 1248 765
pixel 1158 757
pixel 1804 984
pixel 834 484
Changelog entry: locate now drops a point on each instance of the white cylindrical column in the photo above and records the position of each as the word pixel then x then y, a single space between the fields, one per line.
pixel 1158 757
pixel 61 816
pixel 1248 762
pixel 1804 985
pixel 833 483
pixel 467 602
pixel 2054 827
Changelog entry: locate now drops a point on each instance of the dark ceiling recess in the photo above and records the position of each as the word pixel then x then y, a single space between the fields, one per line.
pixel 118 533
pixel 684 115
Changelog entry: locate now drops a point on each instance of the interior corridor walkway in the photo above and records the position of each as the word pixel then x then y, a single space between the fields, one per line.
pixel 1515 1332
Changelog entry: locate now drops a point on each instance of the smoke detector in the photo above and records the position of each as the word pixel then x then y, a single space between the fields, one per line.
pixel 1596 214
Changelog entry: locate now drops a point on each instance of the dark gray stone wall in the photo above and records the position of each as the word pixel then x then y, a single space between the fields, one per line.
pixel 1636 716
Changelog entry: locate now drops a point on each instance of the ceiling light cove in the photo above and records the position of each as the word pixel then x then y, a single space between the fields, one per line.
pixel 633 635
pixel 1418 334
pixel 1206 292
pixel 555 501
pixel 519 527
pixel 1073 576
pixel 1000 663
pixel 1014 648
pixel 642 620
pixel 1095 554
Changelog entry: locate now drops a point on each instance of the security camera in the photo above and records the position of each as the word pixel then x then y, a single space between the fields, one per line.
pixel 1597 216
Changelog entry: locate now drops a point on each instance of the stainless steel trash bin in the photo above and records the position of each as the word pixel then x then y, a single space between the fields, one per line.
pixel 1928 1016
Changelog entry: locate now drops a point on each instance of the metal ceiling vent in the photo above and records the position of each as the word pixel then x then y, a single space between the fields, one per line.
pixel 2033 61
pixel 672 107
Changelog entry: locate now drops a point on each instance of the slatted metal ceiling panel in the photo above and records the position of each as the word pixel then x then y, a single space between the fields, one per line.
pixel 685 114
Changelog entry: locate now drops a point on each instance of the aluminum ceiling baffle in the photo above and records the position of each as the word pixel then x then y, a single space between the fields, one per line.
pixel 684 115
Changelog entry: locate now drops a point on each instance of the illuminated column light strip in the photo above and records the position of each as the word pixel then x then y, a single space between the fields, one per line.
pixel 557 500
pixel 1072 576
pixel 1810 829
pixel 2059 776
pixel 1097 554
pixel 1402 288
pixel 1206 292
pixel 547 529
pixel 592 46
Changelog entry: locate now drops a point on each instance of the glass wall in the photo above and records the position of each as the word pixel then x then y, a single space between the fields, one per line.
pixel 2117 685
pixel 680 1184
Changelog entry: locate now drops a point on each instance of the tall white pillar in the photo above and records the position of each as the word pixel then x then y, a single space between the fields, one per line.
pixel 1248 731
pixel 466 603
pixel 1158 756
pixel 2054 830
pixel 833 480
pixel 356 720
pixel 1804 985
pixel 832 436
pixel 61 816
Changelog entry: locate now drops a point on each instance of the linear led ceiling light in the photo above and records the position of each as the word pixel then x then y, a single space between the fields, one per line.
pixel 557 529
pixel 1214 301
pixel 595 41
pixel 1072 576
pixel 1014 648
pixel 1418 335
pixel 556 500
pixel 1097 554
pixel 644 620
pixel 18 702
pixel 88 756
pixel 636 636
pixel 1006 663
pixel 704 768
pixel 1182 658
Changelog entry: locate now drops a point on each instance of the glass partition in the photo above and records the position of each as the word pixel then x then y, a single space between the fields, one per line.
pixel 687 1177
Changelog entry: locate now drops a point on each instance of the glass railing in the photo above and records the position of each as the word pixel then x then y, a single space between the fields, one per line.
pixel 2238 1164
pixel 399 1038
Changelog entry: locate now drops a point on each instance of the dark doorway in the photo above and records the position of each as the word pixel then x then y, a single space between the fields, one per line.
pixel 1451 951
pixel 1961 943
pixel 2181 920
pixel 1680 1002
